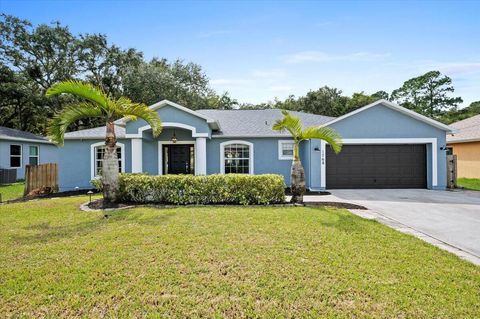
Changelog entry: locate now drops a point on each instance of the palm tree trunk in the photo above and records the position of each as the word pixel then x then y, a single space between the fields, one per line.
pixel 297 177
pixel 110 166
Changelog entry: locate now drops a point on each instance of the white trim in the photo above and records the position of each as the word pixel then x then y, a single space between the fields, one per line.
pixel 160 152
pixel 141 129
pixel 432 141
pixel 20 139
pixel 10 156
pixel 200 156
pixel 92 157
pixel 222 155
pixel 137 155
pixel 37 156
pixel 398 108
pixel 323 164
pixel 464 140
pixel 282 157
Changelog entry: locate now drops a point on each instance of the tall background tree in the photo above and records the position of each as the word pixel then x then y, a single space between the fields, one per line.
pixel 427 94
pixel 32 58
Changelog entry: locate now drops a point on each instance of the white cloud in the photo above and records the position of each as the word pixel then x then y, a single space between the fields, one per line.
pixel 456 67
pixel 320 56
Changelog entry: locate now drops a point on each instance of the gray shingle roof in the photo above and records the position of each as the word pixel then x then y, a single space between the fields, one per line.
pixel 233 123
pixel 244 123
pixel 468 130
pixel 6 133
pixel 93 133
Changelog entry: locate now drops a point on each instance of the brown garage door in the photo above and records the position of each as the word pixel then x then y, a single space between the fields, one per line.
pixel 377 166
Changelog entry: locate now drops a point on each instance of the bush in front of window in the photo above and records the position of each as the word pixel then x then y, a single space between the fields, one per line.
pixel 237 189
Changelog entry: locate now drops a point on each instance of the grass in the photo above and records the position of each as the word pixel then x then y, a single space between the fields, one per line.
pixel 58 261
pixel 469 183
pixel 12 191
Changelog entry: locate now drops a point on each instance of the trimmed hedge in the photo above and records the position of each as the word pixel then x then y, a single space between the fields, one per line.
pixel 210 189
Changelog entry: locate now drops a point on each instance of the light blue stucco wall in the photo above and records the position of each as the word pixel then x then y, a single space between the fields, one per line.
pixel 265 156
pixel 47 154
pixel 172 114
pixel 376 122
pixel 74 163
pixel 382 122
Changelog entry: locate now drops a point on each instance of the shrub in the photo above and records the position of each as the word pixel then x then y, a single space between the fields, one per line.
pixel 211 189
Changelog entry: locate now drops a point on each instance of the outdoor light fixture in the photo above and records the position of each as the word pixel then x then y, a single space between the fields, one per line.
pixel 174 138
pixel 90 194
pixel 316 149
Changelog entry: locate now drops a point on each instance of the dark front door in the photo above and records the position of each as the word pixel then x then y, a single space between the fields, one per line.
pixel 178 159
pixel 377 166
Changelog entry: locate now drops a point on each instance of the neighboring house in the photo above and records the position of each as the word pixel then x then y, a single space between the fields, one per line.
pixel 465 143
pixel 386 146
pixel 18 148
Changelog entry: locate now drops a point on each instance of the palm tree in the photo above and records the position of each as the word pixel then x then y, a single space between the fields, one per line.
pixel 97 104
pixel 293 125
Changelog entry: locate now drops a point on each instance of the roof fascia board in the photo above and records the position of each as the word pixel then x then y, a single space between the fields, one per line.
pixel 21 139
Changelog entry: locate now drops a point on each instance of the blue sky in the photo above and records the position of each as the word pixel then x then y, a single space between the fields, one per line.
pixel 260 50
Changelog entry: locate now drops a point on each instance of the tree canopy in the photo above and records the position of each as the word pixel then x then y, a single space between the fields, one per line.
pixel 33 58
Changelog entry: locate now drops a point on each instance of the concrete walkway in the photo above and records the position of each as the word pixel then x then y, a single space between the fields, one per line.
pixel 447 219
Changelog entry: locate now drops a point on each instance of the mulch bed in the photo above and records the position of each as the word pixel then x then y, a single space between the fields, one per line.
pixel 51 195
pixel 99 205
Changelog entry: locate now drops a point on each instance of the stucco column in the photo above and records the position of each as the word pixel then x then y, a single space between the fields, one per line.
pixel 137 166
pixel 201 156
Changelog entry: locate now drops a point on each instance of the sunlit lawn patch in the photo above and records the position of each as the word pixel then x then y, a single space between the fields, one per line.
pixel 222 261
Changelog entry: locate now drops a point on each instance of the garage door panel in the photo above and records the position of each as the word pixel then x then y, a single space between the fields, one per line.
pixel 377 166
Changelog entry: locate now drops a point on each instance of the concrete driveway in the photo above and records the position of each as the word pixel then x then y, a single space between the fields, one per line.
pixel 452 217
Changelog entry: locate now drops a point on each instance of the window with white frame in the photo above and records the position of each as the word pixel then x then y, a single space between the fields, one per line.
pixel 98 162
pixel 237 157
pixel 285 149
pixel 33 155
pixel 15 156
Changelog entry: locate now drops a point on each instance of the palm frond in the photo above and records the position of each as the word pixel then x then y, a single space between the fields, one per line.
pixel 133 111
pixel 327 134
pixel 59 124
pixel 81 89
pixel 289 122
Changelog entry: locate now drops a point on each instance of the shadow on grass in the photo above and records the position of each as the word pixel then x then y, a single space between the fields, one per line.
pixel 346 222
pixel 45 233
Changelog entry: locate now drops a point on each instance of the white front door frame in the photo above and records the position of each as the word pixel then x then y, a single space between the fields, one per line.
pixel 350 141
pixel 160 152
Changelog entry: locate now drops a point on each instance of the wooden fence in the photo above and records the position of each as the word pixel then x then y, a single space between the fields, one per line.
pixel 43 177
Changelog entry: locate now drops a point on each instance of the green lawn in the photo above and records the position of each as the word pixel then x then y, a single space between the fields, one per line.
pixel 57 261
pixel 469 183
pixel 12 191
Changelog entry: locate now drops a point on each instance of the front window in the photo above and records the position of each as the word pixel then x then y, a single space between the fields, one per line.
pixel 33 155
pixel 237 158
pixel 285 150
pixel 15 156
pixel 99 153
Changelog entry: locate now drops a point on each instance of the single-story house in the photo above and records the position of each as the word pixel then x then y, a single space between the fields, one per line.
pixel 19 148
pixel 465 143
pixel 385 146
